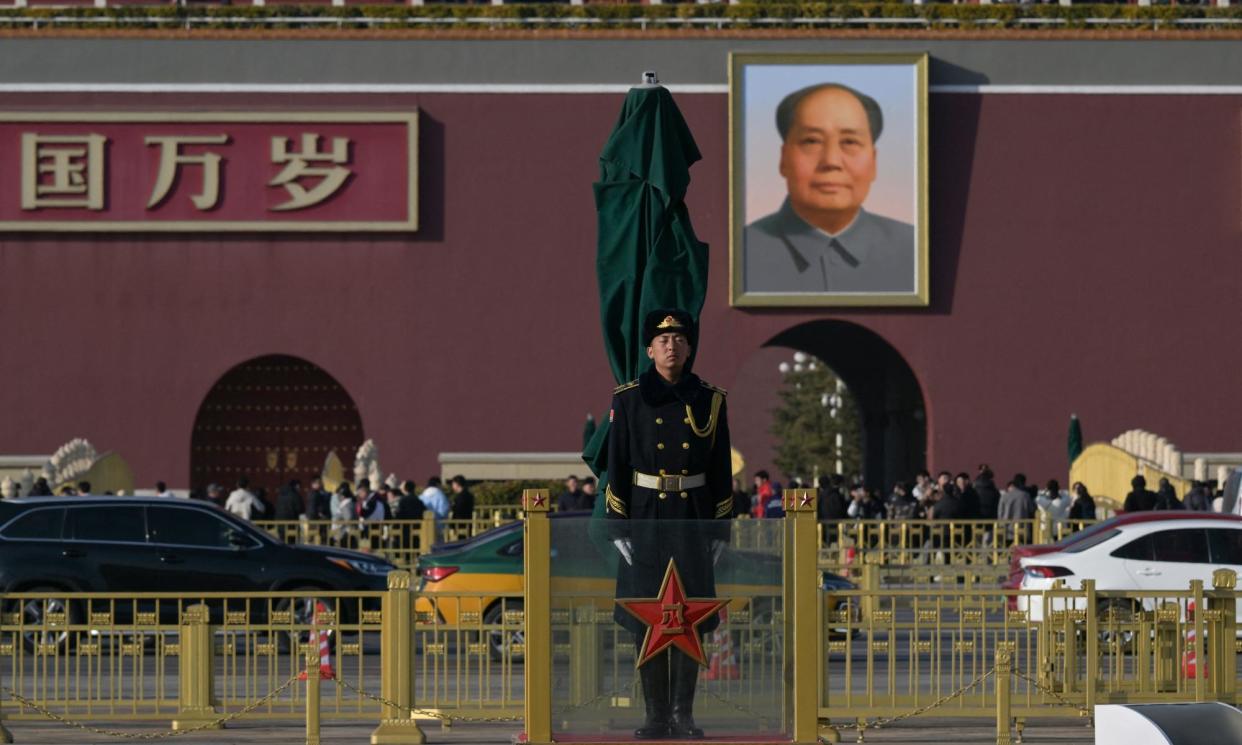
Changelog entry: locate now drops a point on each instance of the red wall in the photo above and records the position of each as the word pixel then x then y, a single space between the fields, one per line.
pixel 1085 252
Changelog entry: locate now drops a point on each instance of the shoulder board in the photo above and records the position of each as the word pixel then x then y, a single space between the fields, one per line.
pixel 625 387
pixel 711 387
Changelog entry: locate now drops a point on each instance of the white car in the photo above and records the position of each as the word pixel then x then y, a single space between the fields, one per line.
pixel 1149 551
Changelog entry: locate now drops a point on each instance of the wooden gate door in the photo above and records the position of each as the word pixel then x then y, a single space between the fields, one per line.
pixel 272 419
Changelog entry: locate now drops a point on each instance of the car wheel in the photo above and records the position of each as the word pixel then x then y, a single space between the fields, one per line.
pixel 500 641
pixel 303 615
pixel 35 612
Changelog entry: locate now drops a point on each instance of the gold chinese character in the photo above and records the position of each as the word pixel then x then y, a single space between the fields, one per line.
pixel 297 167
pixel 171 158
pixel 671 619
pixel 62 171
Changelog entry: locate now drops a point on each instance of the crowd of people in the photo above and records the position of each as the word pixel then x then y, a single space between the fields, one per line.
pixel 945 497
pixel 357 502
pixel 962 497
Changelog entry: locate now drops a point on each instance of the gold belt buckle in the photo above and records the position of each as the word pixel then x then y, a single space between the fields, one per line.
pixel 670 483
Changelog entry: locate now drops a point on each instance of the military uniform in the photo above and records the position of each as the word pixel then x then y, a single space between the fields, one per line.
pixel 674 439
pixel 670 494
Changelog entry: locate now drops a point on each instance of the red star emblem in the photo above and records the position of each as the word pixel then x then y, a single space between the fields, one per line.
pixel 672 619
pixel 806 501
pixel 537 500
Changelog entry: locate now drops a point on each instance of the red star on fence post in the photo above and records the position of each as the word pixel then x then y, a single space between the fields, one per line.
pixel 535 500
pixel 672 619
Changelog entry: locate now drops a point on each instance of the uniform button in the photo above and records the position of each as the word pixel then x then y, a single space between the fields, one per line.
pixel 686 420
pixel 685 446
pixel 663 495
pixel 684 495
pixel 659 420
pixel 659 446
pixel 662 472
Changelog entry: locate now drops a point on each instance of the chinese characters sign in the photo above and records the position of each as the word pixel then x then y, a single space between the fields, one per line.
pixel 208 171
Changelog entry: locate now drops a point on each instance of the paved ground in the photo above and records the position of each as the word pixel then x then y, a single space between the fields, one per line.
pixel 1058 732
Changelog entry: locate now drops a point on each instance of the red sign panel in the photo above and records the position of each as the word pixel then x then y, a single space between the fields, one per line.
pixel 208 171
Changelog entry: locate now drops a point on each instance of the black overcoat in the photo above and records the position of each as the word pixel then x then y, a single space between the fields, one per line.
pixel 668 430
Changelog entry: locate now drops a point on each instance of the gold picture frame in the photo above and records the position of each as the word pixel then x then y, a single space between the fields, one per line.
pixel 782 250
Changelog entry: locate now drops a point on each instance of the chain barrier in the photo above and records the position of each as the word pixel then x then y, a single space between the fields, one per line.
pixel 885 721
pixel 1083 711
pixel 762 718
pixel 450 718
pixel 213 724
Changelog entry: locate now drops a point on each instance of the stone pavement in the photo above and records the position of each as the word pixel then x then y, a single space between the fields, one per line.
pixel 1054 732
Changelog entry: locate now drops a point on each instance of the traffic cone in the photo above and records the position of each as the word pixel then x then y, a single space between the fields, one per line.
pixel 325 647
pixel 1190 663
pixel 723 664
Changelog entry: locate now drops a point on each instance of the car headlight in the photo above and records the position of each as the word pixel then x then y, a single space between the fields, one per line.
pixel 373 568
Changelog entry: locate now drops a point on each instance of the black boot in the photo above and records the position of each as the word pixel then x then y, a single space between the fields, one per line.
pixel 684 672
pixel 654 675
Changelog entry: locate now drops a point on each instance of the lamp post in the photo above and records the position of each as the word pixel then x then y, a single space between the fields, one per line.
pixel 832 401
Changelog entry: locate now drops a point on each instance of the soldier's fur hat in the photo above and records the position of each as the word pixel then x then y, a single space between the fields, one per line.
pixel 668 321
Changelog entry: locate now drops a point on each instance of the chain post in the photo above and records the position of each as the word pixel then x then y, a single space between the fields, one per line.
pixel 1093 644
pixel 870 581
pixel 398 727
pixel 584 662
pixel 537 604
pixel 311 658
pixel 195 673
pixel 6 736
pixel 1196 588
pixel 427 532
pixel 803 607
pixel 1223 659
pixel 1003 714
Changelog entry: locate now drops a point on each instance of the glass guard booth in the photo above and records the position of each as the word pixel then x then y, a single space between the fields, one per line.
pixel 660 629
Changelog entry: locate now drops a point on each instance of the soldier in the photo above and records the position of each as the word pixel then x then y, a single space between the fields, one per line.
pixel 669 466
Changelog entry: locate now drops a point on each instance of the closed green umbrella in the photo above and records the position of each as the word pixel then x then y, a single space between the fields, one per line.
pixel 647 255
pixel 1074 442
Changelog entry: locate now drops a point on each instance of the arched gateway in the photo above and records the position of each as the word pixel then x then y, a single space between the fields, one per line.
pixel 272 419
pixel 890 400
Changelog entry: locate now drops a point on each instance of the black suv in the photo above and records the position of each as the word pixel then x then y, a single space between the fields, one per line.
pixel 151 544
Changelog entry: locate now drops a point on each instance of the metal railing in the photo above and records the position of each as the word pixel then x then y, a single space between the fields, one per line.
pixel 961 542
pixel 980 543
pixel 905 643
pixel 400 541
pixel 641 23
pixel 198 659
pixel 889 651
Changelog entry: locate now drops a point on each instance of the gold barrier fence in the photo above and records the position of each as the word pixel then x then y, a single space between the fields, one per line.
pixel 399 541
pixel 197 659
pixel 874 577
pixel 893 651
pixel 842 542
pixel 883 654
pixel 963 542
